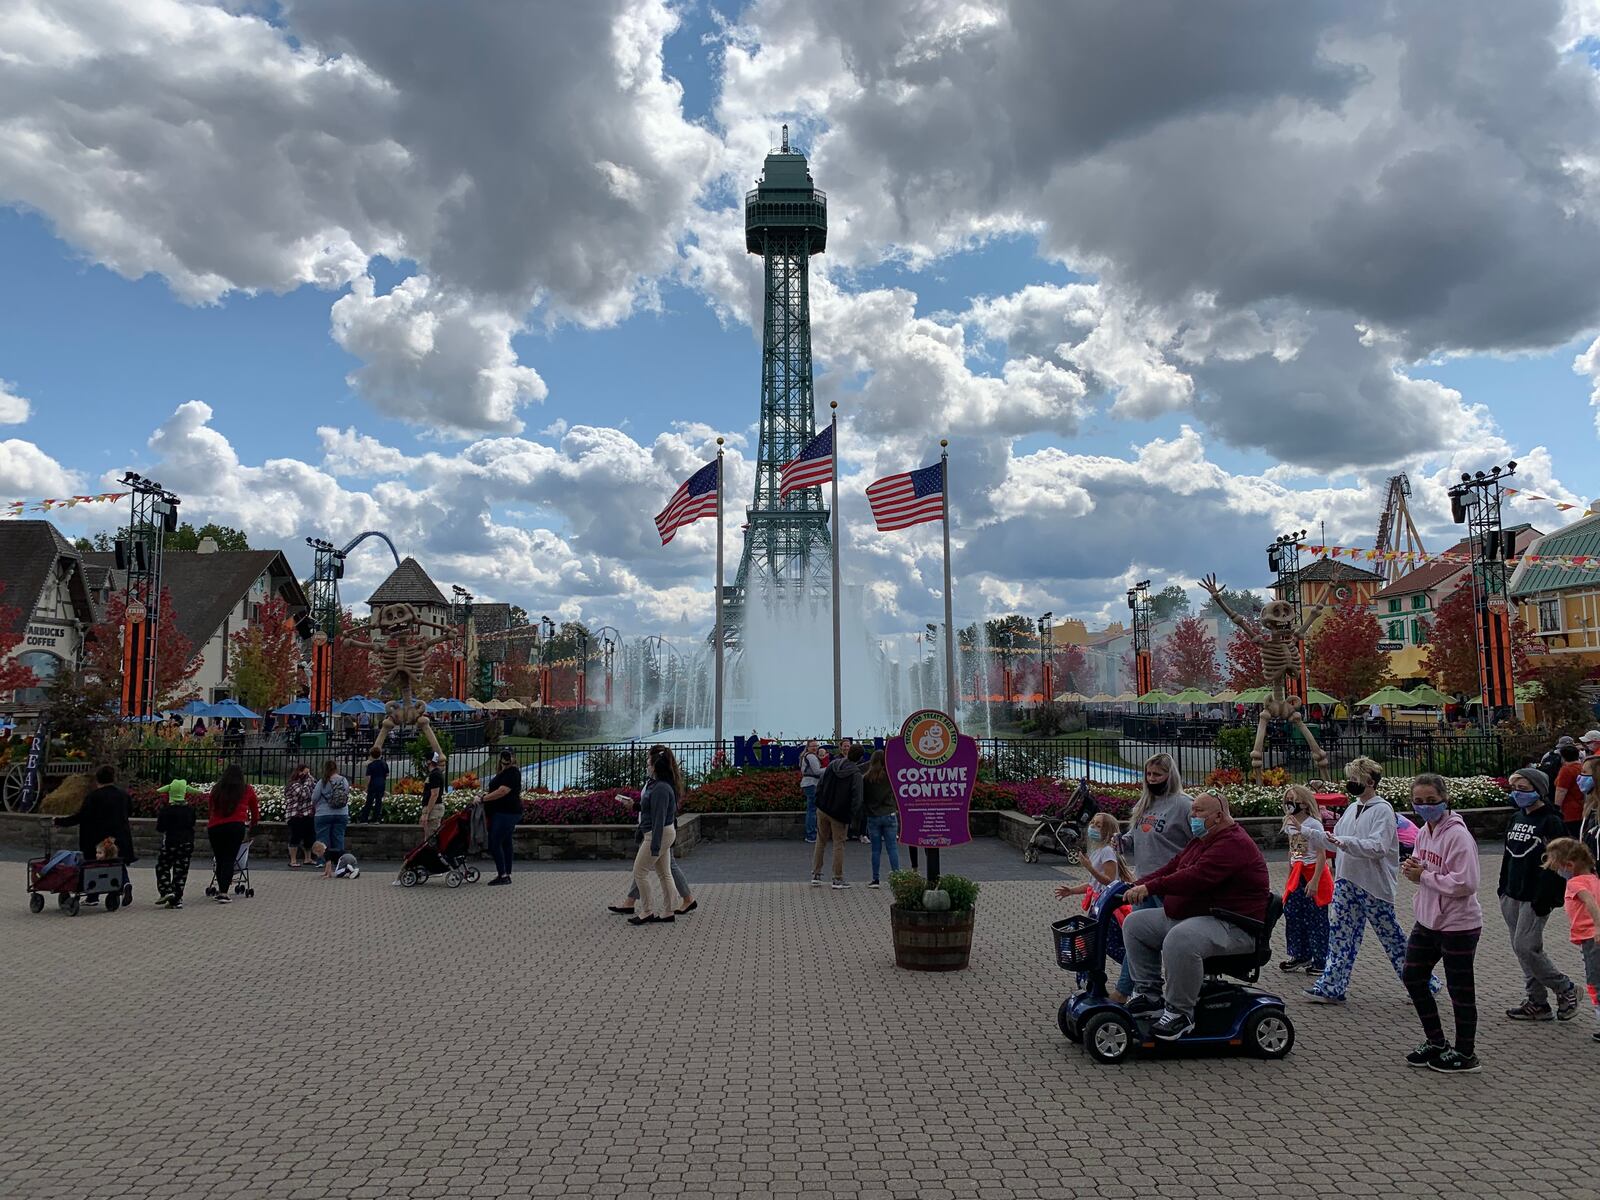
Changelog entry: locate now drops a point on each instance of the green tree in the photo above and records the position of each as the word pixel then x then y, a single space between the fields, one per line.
pixel 187 537
pixel 1169 603
pixel 264 659
pixel 102 543
pixel 1244 602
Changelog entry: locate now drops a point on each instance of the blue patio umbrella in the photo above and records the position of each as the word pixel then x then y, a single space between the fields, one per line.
pixel 195 708
pixel 295 708
pixel 356 705
pixel 228 710
pixel 449 704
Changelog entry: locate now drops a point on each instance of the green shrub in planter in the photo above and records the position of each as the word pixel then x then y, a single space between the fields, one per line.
pixel 963 892
pixel 908 887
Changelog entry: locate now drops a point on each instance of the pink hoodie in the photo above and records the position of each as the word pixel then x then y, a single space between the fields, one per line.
pixel 1447 896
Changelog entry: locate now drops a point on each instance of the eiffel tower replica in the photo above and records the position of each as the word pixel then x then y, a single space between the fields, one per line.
pixel 787 550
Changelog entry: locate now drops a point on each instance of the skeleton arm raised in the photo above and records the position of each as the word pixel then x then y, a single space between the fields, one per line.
pixel 1214 590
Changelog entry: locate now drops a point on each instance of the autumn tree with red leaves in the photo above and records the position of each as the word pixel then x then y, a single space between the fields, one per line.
pixel 13 675
pixel 176 662
pixel 1343 656
pixel 264 659
pixel 354 673
pixel 1244 669
pixel 1187 657
pixel 1452 657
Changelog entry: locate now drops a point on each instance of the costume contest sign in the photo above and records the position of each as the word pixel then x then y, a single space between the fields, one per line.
pixel 932 769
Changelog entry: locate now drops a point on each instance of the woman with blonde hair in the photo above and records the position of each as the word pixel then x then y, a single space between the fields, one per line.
pixel 1158 828
pixel 1309 890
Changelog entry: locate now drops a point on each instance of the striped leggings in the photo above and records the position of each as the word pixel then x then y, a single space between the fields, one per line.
pixel 1424 949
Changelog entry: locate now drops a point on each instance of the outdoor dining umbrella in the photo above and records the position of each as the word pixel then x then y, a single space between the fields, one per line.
pixel 295 708
pixel 228 710
pixel 1387 696
pixel 1227 697
pixel 1072 698
pixel 1102 698
pixel 1126 698
pixel 1255 695
pixel 195 708
pixel 1318 696
pixel 354 706
pixel 1153 696
pixel 1428 694
pixel 448 704
pixel 1191 695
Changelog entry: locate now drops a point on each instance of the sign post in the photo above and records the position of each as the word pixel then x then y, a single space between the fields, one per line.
pixel 933 769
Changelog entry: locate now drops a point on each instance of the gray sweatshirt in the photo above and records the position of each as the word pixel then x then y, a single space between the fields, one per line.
pixel 658 808
pixel 1160 834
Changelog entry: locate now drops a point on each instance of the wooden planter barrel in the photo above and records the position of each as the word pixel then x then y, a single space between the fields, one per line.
pixel 931 941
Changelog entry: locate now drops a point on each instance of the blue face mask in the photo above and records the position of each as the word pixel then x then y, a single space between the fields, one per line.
pixel 1524 799
pixel 1586 784
pixel 1566 874
pixel 1094 835
pixel 1197 826
pixel 1431 812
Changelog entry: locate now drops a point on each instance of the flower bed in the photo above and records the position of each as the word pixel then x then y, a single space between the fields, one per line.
pixel 777 791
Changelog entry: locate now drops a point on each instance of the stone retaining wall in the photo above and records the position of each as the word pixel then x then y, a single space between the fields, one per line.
pixel 379 843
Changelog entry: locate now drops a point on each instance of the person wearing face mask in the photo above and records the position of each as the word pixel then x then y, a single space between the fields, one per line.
pixel 1309 889
pixel 1449 922
pixel 1158 828
pixel 1529 892
pixel 1571 860
pixel 1568 799
pixel 1221 871
pixel 1589 789
pixel 1106 866
pixel 1365 874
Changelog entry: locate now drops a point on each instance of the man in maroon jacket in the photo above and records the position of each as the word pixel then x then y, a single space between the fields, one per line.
pixel 1221 868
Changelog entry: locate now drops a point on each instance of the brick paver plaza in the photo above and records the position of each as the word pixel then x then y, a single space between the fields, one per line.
pixel 351 1039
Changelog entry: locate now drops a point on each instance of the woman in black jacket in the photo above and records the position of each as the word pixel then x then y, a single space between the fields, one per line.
pixel 1529 892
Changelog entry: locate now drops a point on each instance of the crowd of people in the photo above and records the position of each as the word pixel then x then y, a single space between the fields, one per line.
pixel 1187 861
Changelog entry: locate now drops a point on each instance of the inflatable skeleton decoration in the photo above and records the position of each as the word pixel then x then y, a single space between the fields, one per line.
pixel 1278 635
pixel 402 653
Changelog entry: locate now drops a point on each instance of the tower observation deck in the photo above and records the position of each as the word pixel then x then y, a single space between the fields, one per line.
pixel 786 544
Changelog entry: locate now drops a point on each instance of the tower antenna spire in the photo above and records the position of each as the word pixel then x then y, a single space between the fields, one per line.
pixel 786 139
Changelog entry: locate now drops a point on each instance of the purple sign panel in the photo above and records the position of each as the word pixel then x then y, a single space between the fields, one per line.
pixel 932 769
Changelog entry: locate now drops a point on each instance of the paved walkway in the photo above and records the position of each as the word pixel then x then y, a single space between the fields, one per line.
pixel 350 1039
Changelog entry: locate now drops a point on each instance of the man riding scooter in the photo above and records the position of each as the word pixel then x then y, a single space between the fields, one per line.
pixel 1218 875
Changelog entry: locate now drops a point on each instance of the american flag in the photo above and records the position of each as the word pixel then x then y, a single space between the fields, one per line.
pixel 696 498
pixel 812 466
pixel 909 499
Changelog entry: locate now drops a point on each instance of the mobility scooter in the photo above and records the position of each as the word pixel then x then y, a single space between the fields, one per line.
pixel 1229 1016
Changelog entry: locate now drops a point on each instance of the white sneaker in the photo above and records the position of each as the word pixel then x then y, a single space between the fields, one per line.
pixel 816 881
pixel 839 885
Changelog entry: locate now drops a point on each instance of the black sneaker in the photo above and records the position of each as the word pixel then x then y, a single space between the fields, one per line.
pixel 1171 1026
pixel 875 884
pixel 1567 1004
pixel 1454 1061
pixel 1141 1003
pixel 1292 964
pixel 1425 1055
pixel 839 885
pixel 176 904
pixel 1316 967
pixel 224 898
pixel 1316 997
pixel 500 880
pixel 1529 1011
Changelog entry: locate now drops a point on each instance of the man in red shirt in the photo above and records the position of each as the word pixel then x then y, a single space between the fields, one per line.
pixel 1221 869
pixel 1568 798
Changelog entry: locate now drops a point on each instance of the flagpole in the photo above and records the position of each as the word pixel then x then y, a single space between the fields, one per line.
pixel 838 690
pixel 949 606
pixel 717 653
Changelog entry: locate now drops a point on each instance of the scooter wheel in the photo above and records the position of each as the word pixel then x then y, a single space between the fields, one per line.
pixel 36 903
pixel 1108 1037
pixel 408 879
pixel 1269 1033
pixel 1068 1023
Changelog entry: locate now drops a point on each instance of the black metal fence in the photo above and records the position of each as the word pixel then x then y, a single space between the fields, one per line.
pixel 605 765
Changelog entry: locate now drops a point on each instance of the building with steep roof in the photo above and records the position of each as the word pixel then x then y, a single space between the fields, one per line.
pixel 1560 601
pixel 214 594
pixel 43 588
pixel 1405 608
pixel 409 584
pixel 1328 581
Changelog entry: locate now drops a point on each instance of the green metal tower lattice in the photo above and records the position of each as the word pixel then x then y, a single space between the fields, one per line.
pixel 787 549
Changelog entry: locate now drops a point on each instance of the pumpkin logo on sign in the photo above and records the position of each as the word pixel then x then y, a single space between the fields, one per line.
pixel 930 738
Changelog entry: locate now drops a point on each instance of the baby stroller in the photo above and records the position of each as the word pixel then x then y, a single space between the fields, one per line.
pixel 241 873
pixel 1064 834
pixel 444 853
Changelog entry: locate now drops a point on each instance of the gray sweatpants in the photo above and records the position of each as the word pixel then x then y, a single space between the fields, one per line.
pixel 1157 945
pixel 1527 943
pixel 678 881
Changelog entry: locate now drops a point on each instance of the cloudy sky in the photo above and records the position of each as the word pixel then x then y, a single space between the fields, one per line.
pixel 1172 277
